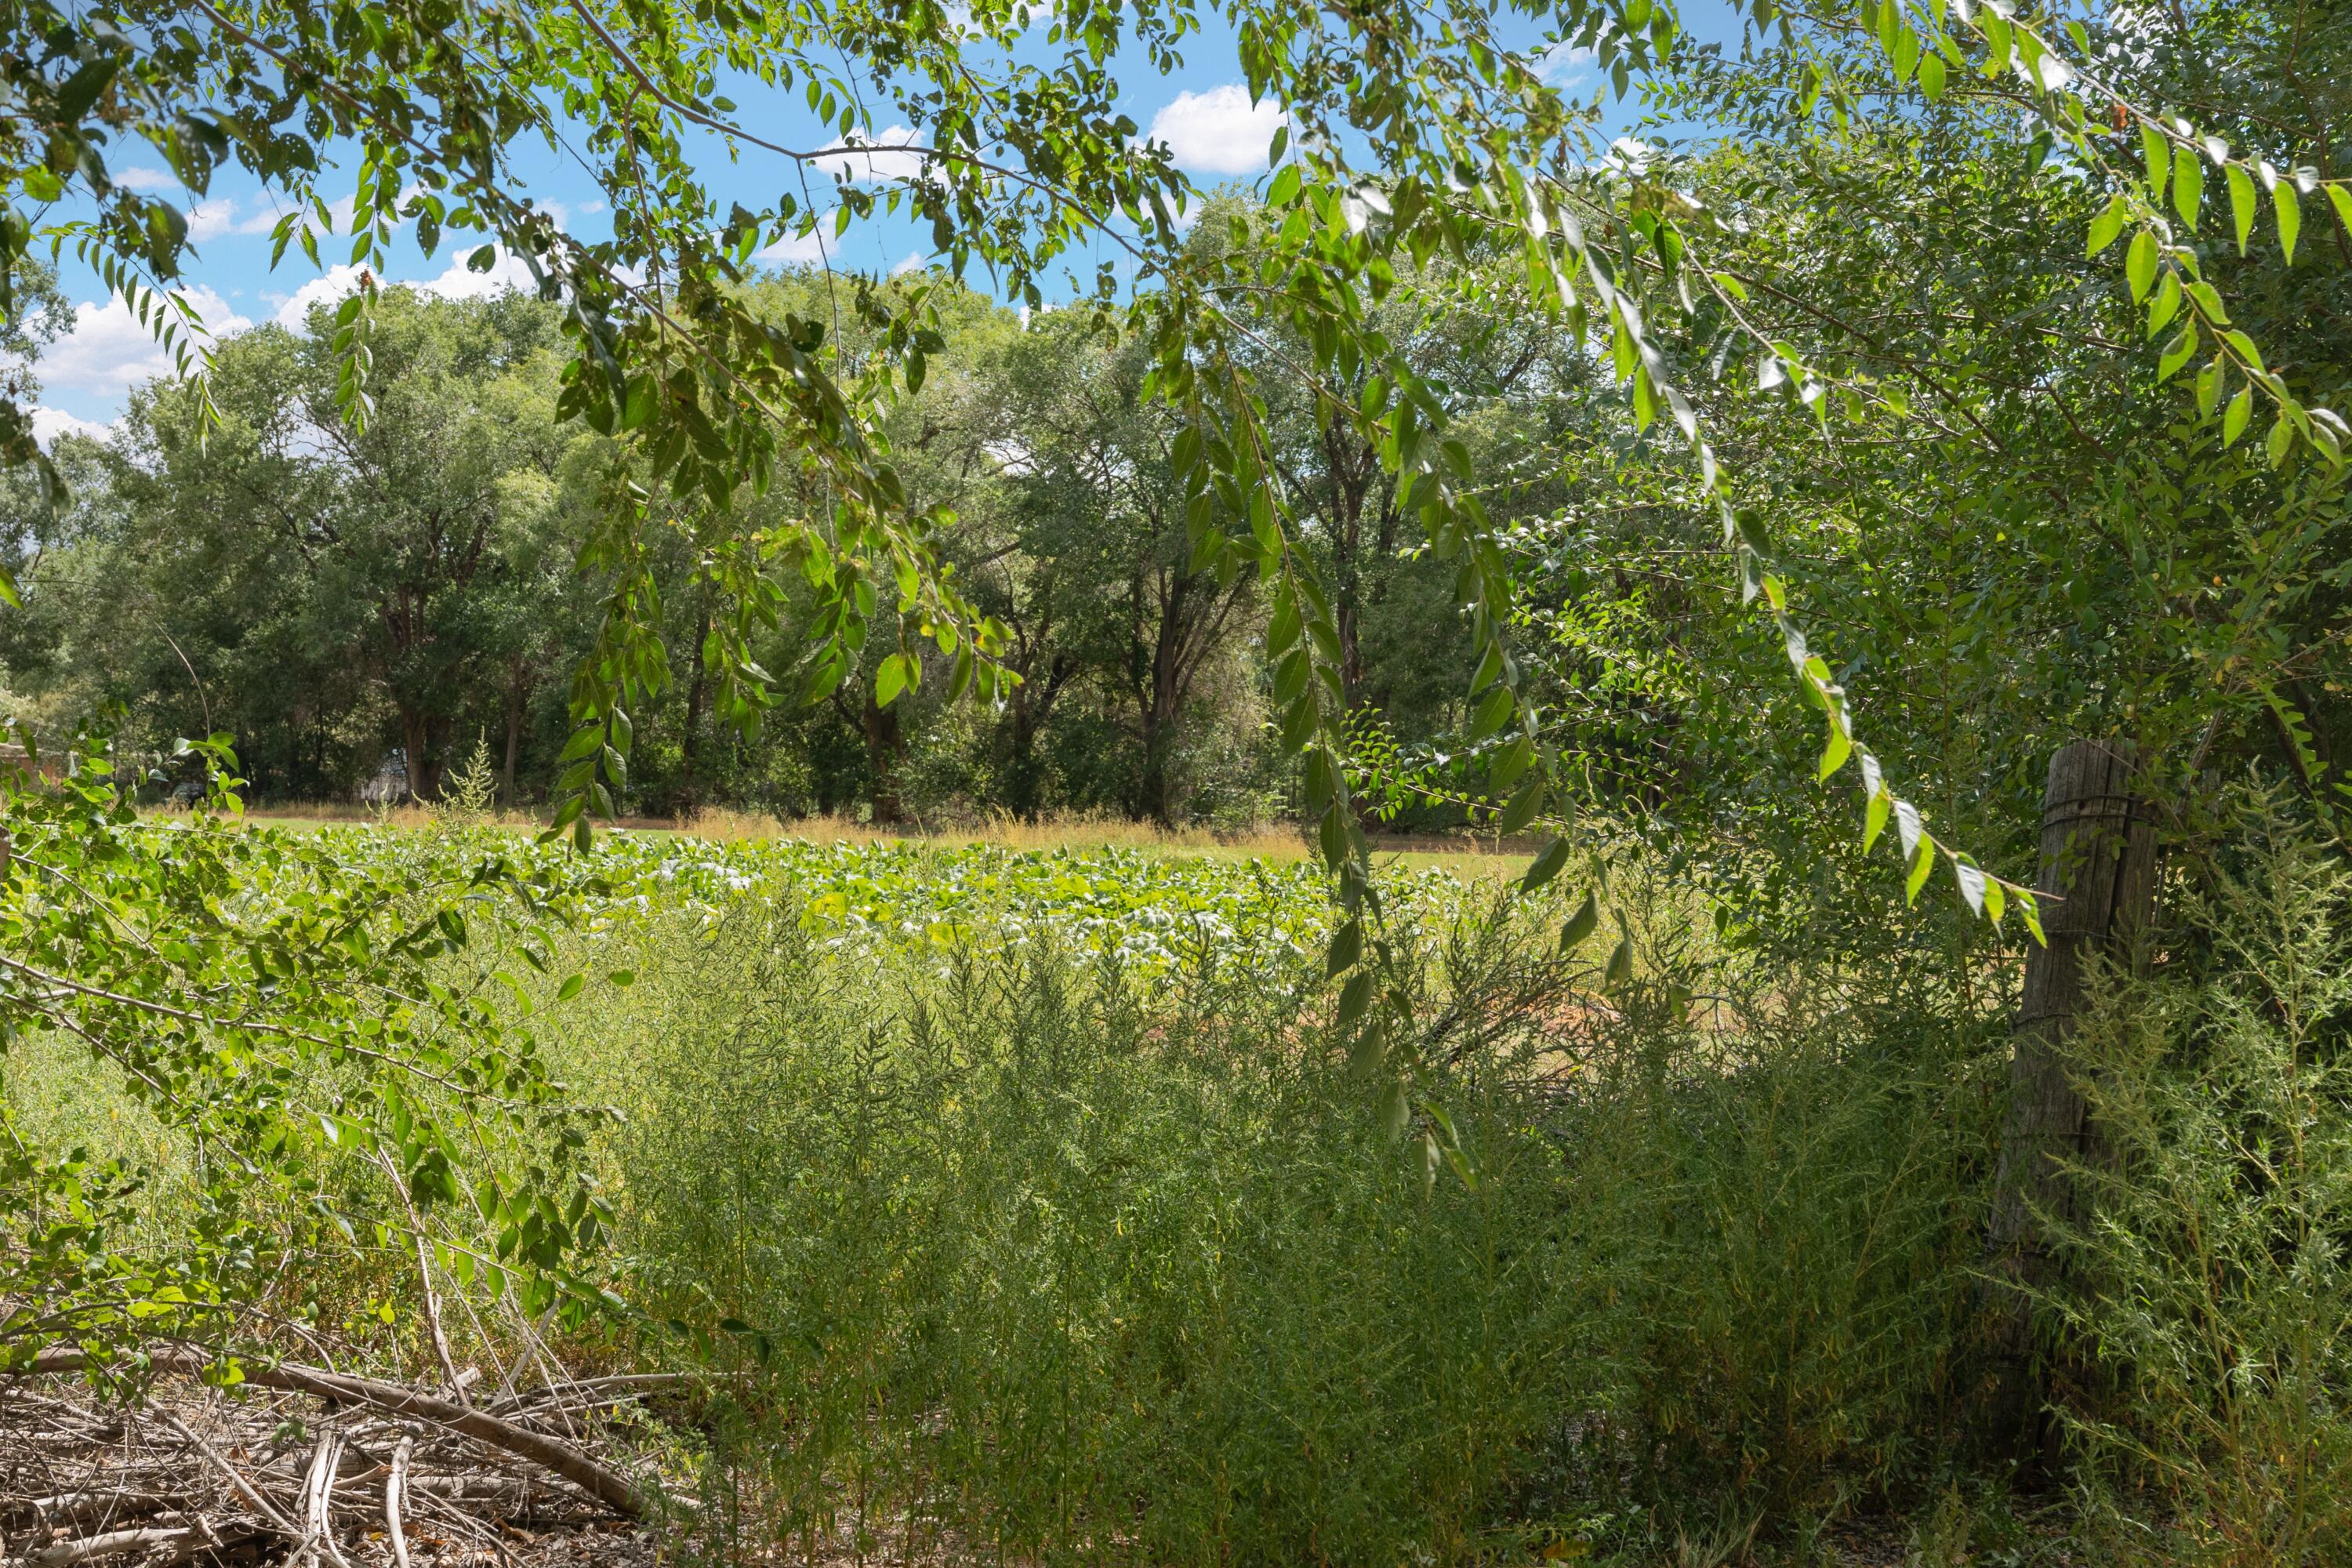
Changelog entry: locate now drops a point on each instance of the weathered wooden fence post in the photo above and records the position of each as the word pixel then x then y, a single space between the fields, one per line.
pixel 2098 866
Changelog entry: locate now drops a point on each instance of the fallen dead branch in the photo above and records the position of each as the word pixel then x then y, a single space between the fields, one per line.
pixel 390 1478
pixel 318 1497
pixel 605 1485
pixel 394 1488
pixel 236 1481
pixel 180 1542
pixel 587 1392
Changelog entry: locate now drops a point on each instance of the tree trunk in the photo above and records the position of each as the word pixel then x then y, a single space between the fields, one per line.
pixel 1163 715
pixel 691 745
pixel 517 690
pixel 2098 882
pixel 412 740
pixel 883 744
pixel 437 746
pixel 1022 783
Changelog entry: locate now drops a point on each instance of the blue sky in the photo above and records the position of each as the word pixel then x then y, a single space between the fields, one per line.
pixel 1200 112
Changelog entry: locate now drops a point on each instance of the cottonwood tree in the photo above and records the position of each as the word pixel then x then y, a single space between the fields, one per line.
pixel 262 566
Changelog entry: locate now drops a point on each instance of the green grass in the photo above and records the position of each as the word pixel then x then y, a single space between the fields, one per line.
pixel 1029 1229
pixel 1027 1204
pixel 1465 855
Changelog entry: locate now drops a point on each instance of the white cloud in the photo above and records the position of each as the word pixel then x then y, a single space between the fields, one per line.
pixel 48 424
pixel 109 351
pixel 140 177
pixel 209 219
pixel 1219 132
pixel 329 288
pixel 462 282
pixel 817 245
pixel 1562 65
pixel 850 160
pixel 261 219
pixel 1630 155
pixel 911 262
pixel 458 281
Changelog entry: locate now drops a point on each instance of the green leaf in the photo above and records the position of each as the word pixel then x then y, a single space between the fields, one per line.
pixel 2108 224
pixel 570 988
pixel 2159 153
pixel 2030 912
pixel 1620 968
pixel 2290 217
pixel 1874 818
pixel 2187 183
pixel 2235 418
pixel 1834 755
pixel 1923 862
pixel 1364 1055
pixel 2139 264
pixel 638 407
pixel 1498 706
pixel 1997 41
pixel 1347 948
pixel 1580 925
pixel 890 679
pixel 2182 350
pixel 2342 201
pixel 1522 809
pixel 1515 761
pixel 2242 202
pixel 1545 865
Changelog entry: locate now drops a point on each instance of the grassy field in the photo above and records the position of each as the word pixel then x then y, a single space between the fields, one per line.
pixel 1030 1204
pixel 1468 853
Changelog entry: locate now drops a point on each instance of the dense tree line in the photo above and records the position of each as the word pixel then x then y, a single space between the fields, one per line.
pixel 328 594
pixel 332 596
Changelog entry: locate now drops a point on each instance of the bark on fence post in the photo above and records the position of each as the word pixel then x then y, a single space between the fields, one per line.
pixel 2098 866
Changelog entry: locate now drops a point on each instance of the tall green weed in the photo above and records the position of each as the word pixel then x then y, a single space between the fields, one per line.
pixel 2214 1288
pixel 1015 1249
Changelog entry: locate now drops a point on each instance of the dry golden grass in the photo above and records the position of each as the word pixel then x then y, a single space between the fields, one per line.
pixel 722 824
pixel 1272 841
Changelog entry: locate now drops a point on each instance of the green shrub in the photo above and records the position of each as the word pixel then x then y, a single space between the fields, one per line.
pixel 1773 1182
pixel 2214 1288
pixel 1022 1250
pixel 1006 1252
